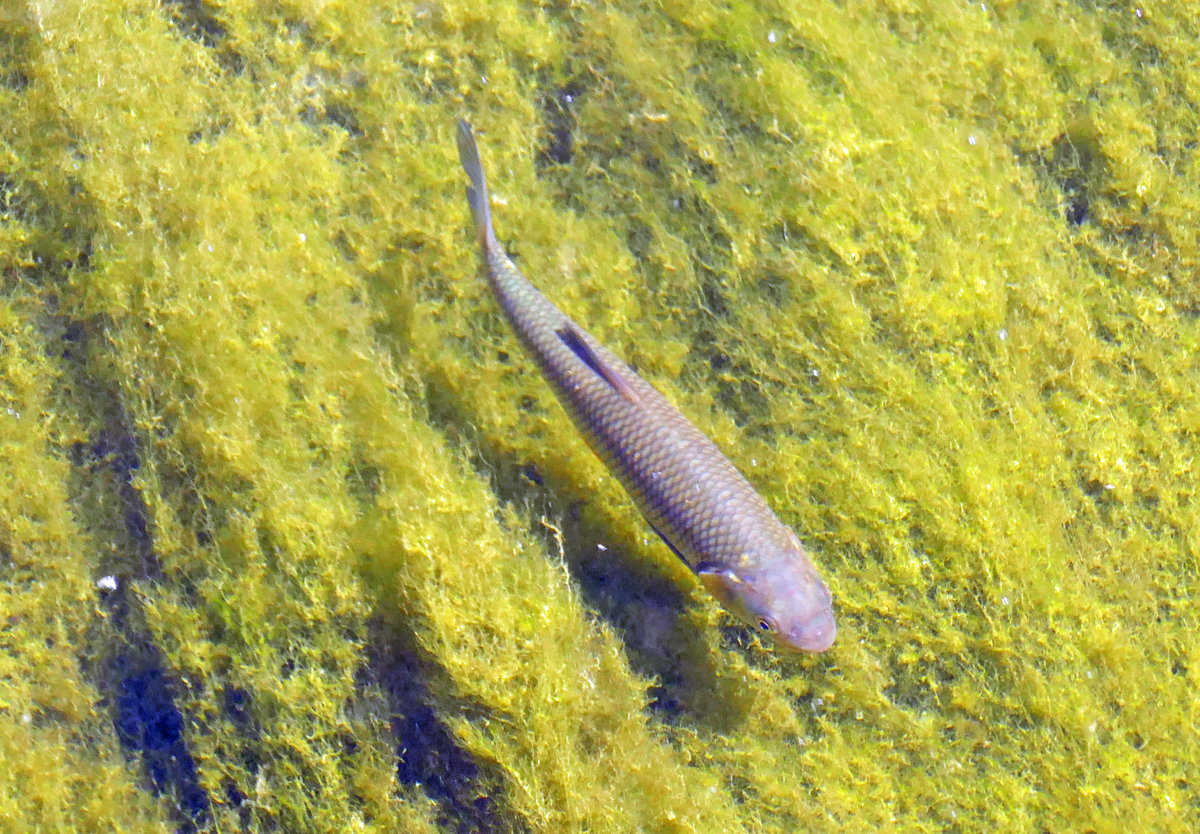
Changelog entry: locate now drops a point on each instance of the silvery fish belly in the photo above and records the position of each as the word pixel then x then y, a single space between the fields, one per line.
pixel 689 492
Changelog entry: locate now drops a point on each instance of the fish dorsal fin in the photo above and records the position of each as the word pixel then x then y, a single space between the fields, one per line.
pixel 571 337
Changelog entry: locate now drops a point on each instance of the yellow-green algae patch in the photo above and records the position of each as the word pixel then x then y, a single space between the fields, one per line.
pixel 925 270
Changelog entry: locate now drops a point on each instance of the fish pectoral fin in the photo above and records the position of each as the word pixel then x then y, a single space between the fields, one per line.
pixel 571 337
pixel 673 548
pixel 722 583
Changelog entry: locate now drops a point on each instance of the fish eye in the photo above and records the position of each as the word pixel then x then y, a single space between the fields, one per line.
pixel 765 626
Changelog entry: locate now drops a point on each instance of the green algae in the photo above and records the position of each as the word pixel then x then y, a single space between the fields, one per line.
pixel 924 270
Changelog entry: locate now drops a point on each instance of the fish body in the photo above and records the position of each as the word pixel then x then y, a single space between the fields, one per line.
pixel 689 492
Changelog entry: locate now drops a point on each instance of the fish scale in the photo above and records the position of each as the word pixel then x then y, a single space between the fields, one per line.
pixel 694 498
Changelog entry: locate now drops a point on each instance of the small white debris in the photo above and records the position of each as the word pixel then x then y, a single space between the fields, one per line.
pixel 771 36
pixel 601 548
pixel 107 583
pixel 1003 334
pixel 303 237
pixel 971 140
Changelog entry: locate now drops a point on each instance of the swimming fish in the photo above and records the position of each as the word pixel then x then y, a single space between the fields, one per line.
pixel 694 498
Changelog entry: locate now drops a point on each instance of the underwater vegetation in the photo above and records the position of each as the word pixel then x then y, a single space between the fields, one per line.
pixel 293 537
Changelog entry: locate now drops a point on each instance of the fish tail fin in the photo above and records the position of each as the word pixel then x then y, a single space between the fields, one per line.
pixel 477 195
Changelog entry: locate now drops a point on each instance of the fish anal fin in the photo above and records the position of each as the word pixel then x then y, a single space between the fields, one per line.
pixel 573 340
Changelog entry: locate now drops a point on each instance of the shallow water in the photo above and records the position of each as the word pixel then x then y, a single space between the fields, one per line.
pixel 923 271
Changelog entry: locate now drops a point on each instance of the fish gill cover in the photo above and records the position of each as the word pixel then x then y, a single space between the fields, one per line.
pixel 294 538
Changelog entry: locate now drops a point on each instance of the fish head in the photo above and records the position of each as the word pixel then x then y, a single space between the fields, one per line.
pixel 780 597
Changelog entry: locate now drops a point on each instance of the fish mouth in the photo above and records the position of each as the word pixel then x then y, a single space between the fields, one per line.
pixel 816 636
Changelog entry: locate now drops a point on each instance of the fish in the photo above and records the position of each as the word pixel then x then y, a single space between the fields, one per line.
pixel 692 496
